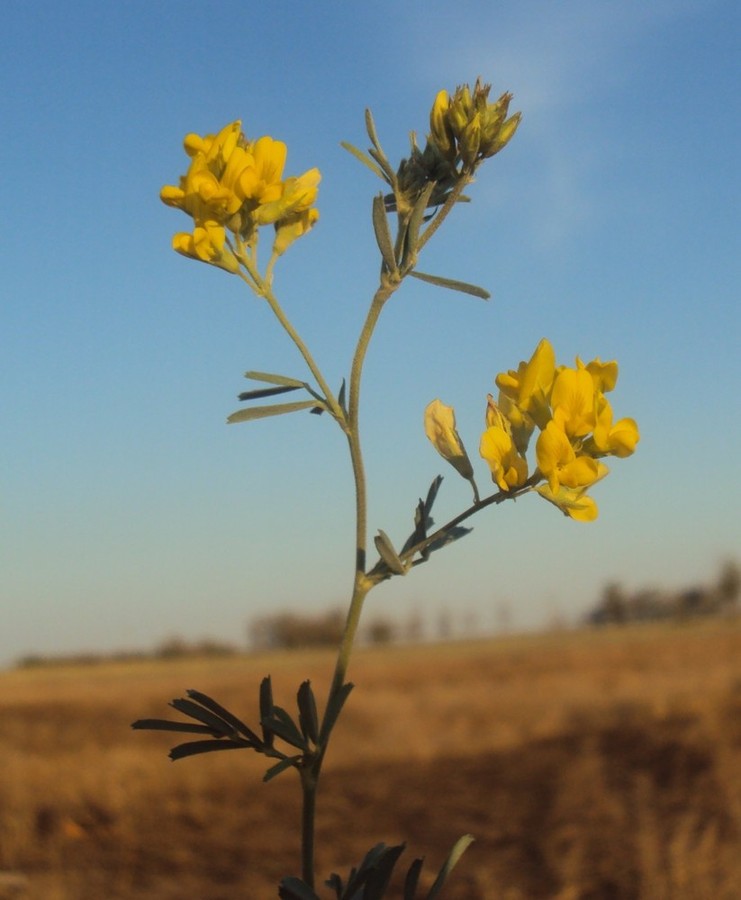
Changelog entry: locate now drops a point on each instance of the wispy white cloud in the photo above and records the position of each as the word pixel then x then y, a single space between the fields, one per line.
pixel 558 59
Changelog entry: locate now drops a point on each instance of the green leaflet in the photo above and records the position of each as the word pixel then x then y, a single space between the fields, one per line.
pixel 453 285
pixel 383 234
pixel 363 158
pixel 262 412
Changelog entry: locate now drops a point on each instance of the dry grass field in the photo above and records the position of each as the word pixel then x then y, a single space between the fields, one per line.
pixel 588 765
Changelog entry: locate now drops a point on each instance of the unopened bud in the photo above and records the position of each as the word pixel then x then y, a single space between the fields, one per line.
pixel 440 429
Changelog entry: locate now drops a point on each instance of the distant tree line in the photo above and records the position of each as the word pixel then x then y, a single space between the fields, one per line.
pixel 618 607
pixel 171 648
pixel 288 630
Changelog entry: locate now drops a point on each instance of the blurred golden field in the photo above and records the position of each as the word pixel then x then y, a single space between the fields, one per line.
pixel 592 764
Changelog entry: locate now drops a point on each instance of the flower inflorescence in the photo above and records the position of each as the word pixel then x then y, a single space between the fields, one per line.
pixel 232 187
pixel 465 129
pixel 575 419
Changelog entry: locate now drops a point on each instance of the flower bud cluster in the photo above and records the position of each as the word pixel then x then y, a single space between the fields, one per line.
pixel 232 187
pixel 468 128
pixel 575 420
pixel 464 130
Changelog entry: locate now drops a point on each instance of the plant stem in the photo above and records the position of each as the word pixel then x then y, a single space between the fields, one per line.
pixel 383 293
pixel 264 290
pixel 361 583
pixel 443 212
pixel 308 817
pixel 378 574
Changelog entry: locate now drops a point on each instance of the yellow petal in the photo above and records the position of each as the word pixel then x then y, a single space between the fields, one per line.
pixel 440 428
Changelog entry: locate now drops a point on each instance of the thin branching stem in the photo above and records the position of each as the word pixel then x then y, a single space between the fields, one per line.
pixel 350 423
pixel 265 290
pixel 444 211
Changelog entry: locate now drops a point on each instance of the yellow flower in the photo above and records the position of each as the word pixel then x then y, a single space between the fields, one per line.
pixel 479 128
pixel 573 502
pixel 519 424
pixel 559 463
pixel 530 386
pixel 259 179
pixel 293 227
pixel 296 196
pixel 201 192
pixel 207 243
pixel 440 429
pixel 508 467
pixel 572 399
pixel 605 375
pixel 618 440
pixel 235 186
pixel 441 132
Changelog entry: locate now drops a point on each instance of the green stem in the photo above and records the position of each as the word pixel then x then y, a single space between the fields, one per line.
pixel 308 817
pixel 264 290
pixel 379 572
pixel 443 213
pixel 383 293
pixel 361 583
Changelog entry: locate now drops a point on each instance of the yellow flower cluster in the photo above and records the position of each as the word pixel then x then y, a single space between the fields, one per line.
pixel 575 420
pixel 232 187
pixel 470 127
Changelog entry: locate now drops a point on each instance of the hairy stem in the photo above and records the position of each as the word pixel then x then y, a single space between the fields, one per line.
pixel 308 817
pixel 264 290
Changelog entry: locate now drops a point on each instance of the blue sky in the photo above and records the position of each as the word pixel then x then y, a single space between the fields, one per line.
pixel 129 511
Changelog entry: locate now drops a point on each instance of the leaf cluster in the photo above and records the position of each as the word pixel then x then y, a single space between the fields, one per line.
pixel 424 181
pixel 419 544
pixel 220 729
pixel 370 880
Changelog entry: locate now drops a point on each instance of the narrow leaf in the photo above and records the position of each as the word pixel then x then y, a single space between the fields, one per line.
pixel 224 713
pixel 432 493
pixel 420 528
pixel 370 127
pixel 341 396
pixel 268 392
pixel 412 879
pixel 381 873
pixel 262 412
pixel 377 152
pixel 274 379
pixel 459 848
pixel 307 714
pixel 388 554
pixel 196 747
pixel 453 285
pixel 282 380
pixel 417 217
pixel 283 726
pixel 195 711
pixel 380 158
pixel 333 710
pixel 363 158
pixel 279 767
pixel 383 234
pixel 451 535
pixel 266 709
pixel 335 882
